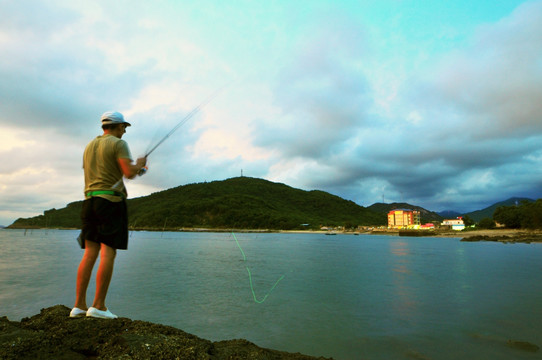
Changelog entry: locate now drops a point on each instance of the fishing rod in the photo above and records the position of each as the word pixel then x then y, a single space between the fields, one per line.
pixel 186 118
pixel 144 169
pixel 194 111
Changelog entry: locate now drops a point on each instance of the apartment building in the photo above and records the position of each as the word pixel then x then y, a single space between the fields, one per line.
pixel 403 219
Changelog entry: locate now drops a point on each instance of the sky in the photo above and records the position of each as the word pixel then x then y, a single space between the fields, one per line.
pixel 434 103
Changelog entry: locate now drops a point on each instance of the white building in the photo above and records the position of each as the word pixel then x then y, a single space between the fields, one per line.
pixel 455 224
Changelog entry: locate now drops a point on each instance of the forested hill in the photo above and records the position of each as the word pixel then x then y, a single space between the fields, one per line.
pixel 426 216
pixel 239 203
pixel 489 211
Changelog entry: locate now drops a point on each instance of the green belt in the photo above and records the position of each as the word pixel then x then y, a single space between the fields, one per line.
pixel 104 192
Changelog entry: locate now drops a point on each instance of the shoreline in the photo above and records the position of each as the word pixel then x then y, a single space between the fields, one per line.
pixel 501 235
pixel 52 334
pixel 498 235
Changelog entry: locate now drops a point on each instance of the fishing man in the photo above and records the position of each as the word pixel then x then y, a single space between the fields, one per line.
pixel 106 160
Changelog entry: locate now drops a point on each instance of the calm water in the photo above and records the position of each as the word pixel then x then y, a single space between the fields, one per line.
pixel 349 297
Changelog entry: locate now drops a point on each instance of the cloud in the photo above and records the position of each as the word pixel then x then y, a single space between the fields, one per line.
pixel 453 129
pixel 485 98
pixel 361 101
pixel 321 95
pixel 51 77
pixel 494 83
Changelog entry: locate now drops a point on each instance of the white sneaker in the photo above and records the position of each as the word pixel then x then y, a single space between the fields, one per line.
pixel 76 312
pixel 95 313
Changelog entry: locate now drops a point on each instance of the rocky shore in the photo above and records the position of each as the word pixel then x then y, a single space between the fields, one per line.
pixel 52 334
pixel 504 236
pixel 500 235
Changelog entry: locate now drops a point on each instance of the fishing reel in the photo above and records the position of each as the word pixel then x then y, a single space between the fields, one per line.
pixel 143 171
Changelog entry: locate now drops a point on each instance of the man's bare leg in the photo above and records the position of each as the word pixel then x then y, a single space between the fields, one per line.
pixel 103 277
pixel 84 272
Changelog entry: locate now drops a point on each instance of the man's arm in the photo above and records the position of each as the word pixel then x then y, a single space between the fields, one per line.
pixel 129 169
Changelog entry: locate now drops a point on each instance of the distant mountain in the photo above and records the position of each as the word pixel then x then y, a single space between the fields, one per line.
pixel 426 216
pixel 449 214
pixel 240 203
pixel 489 211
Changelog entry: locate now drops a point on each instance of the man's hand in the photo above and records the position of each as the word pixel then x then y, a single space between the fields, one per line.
pixel 141 162
pixel 132 170
pixel 143 168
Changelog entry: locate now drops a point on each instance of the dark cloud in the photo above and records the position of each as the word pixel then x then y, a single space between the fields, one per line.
pixel 495 83
pixel 322 95
pixel 341 107
pixel 478 121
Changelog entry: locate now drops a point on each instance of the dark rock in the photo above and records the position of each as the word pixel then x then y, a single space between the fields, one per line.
pixel 52 334
pixel 520 238
pixel 523 345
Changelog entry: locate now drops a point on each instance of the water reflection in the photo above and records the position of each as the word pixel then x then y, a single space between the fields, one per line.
pixel 462 287
pixel 405 301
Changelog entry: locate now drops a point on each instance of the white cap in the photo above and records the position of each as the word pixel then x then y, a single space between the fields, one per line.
pixel 113 117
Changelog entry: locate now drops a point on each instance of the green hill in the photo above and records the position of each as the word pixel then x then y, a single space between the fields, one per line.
pixel 240 203
pixel 489 211
pixel 426 216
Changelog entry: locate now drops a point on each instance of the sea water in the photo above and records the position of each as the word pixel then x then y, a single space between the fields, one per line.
pixel 342 296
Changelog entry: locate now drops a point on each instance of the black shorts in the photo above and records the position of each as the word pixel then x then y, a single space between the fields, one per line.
pixel 105 222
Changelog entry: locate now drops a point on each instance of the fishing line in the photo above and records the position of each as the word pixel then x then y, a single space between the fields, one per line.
pixel 250 276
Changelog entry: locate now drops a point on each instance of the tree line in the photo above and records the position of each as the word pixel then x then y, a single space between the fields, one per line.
pixel 526 215
pixel 240 203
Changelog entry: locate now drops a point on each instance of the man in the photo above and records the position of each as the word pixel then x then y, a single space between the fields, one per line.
pixel 106 160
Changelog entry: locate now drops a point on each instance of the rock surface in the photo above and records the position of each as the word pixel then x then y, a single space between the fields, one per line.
pixel 52 334
pixel 515 238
